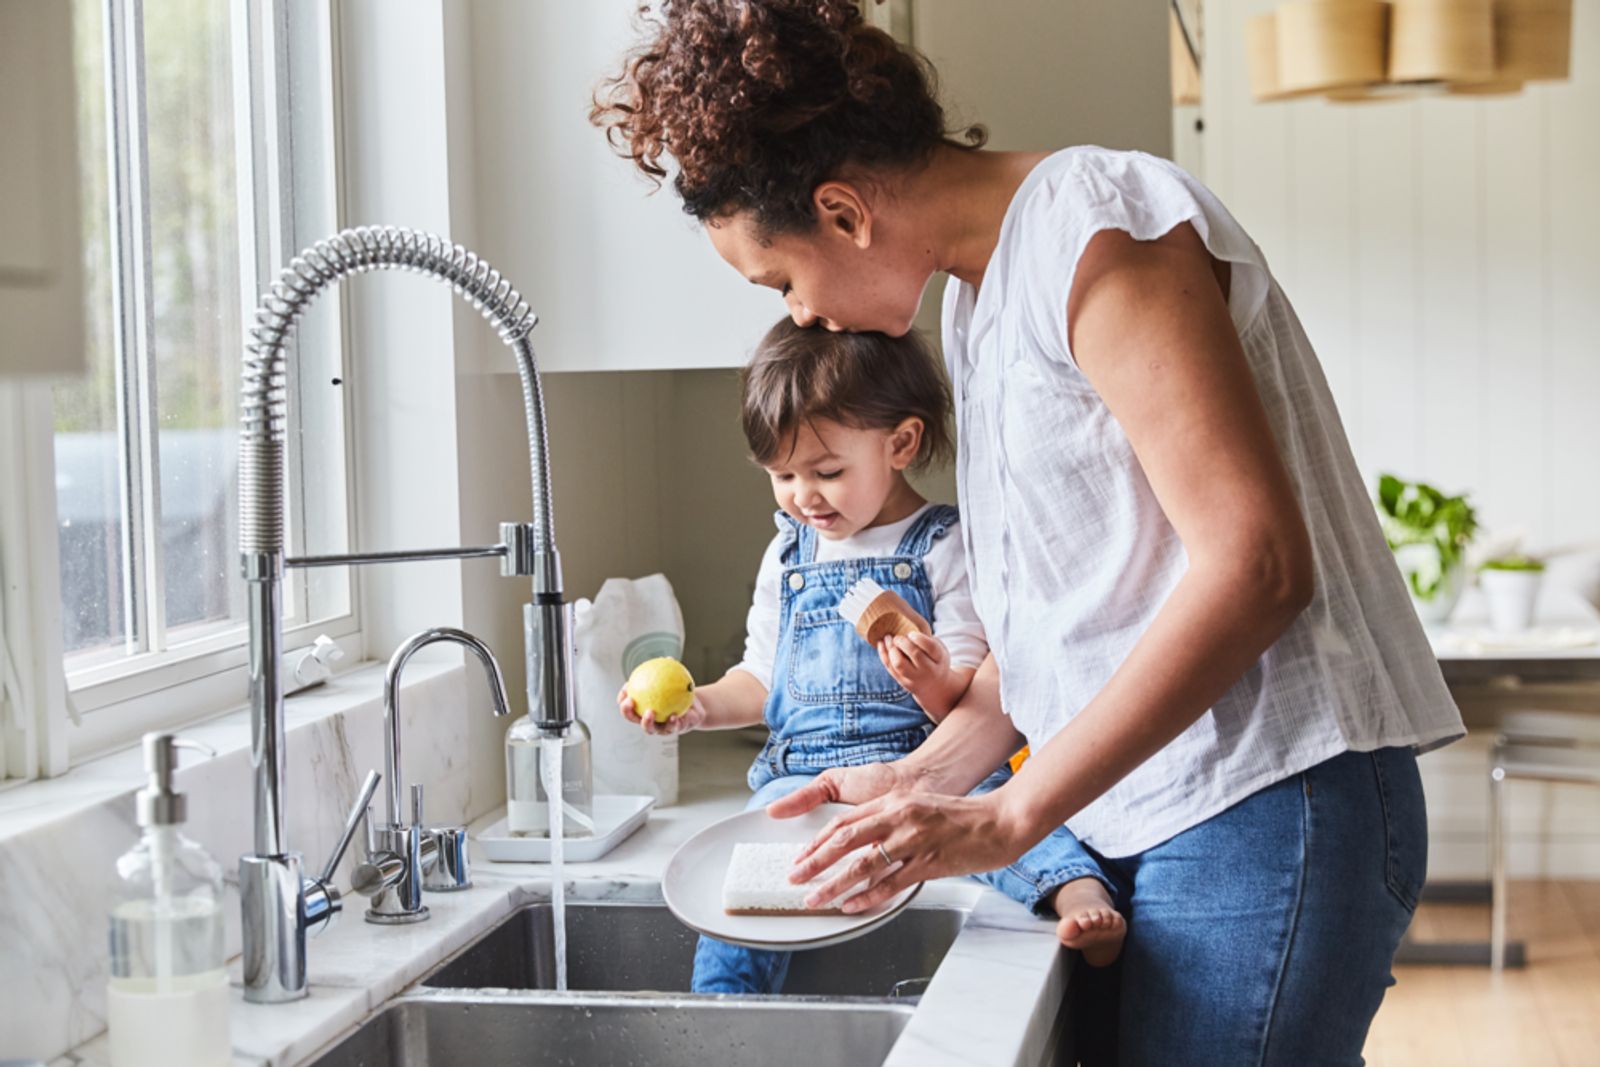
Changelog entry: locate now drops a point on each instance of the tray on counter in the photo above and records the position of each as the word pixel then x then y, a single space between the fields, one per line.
pixel 615 818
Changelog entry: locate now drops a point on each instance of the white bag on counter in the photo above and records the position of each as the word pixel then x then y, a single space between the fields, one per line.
pixel 629 621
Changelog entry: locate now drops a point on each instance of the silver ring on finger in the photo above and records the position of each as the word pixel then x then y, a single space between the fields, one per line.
pixel 888 860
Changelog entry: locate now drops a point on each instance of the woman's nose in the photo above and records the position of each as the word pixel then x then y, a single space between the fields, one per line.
pixel 802 315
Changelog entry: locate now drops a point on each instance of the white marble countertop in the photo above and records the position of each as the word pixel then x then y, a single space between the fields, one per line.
pixel 994 1000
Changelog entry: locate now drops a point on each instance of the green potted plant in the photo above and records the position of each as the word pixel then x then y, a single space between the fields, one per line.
pixel 1428 532
pixel 1511 588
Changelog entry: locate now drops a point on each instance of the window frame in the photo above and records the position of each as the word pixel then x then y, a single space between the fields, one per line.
pixel 282 54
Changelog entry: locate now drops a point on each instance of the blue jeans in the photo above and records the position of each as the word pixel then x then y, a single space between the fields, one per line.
pixel 723 968
pixel 1265 935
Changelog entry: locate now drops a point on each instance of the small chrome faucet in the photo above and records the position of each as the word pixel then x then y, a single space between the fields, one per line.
pixel 278 904
pixel 403 860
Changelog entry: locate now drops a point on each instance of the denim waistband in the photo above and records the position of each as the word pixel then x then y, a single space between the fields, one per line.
pixel 788 755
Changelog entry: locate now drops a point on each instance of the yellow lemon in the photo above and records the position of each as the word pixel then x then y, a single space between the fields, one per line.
pixel 662 687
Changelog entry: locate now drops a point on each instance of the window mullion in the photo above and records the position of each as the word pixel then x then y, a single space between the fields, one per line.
pixel 247 187
pixel 276 226
pixel 261 109
pixel 130 244
pixel 143 396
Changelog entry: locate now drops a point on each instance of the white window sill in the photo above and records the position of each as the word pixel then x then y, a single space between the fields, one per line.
pixel 27 806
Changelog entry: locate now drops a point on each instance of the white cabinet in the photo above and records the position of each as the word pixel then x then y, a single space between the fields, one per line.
pixel 621 280
pixel 41 328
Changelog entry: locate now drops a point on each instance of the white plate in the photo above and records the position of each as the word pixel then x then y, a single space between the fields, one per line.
pixel 615 817
pixel 692 885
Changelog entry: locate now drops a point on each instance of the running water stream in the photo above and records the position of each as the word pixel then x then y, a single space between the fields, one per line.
pixel 550 769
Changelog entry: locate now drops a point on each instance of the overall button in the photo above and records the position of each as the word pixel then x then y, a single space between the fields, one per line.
pixel 797 582
pixel 902 571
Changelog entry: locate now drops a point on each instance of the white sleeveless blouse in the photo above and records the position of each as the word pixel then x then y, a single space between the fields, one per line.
pixel 1071 556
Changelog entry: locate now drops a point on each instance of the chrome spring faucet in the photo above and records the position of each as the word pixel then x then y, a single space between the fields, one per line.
pixel 278 904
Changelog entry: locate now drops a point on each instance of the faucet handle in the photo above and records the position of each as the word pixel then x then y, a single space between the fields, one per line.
pixel 358 812
pixel 321 899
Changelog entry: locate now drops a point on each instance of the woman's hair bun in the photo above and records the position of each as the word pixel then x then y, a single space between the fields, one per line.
pixel 759 101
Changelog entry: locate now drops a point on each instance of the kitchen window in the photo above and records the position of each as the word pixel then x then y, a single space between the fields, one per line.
pixel 206 151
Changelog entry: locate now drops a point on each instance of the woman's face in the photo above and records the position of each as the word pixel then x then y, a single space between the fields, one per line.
pixel 843 275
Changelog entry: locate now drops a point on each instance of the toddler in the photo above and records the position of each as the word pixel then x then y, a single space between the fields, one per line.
pixel 836 420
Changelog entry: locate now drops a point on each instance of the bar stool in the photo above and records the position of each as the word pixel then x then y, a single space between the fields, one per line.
pixel 1534 745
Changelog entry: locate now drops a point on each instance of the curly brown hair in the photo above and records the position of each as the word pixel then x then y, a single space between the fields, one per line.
pixel 760 101
pixel 870 381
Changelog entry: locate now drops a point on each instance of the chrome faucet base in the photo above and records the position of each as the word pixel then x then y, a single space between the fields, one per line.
pixel 379 918
pixel 271 899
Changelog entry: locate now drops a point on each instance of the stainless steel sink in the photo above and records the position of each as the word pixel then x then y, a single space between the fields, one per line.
pixel 440 1029
pixel 641 947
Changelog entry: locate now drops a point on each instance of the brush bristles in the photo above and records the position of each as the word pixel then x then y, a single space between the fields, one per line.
pixel 858 598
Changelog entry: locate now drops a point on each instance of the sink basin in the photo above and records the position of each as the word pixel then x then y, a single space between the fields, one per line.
pixel 642 947
pixel 438 1029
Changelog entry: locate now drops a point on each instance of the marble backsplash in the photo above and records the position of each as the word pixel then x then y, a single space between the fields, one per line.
pixel 59 839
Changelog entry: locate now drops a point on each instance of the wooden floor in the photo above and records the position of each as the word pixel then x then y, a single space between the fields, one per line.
pixel 1548 1013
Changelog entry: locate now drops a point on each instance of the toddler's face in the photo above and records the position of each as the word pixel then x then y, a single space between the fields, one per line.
pixel 839 478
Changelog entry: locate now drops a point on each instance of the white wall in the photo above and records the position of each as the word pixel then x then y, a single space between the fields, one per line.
pixel 1441 253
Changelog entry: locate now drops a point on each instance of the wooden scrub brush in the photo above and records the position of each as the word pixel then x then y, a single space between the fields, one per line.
pixel 877 613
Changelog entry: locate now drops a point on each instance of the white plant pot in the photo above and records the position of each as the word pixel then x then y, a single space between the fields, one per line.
pixel 1425 558
pixel 1512 597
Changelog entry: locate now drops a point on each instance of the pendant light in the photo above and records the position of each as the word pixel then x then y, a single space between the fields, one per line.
pixel 1441 41
pixel 1532 39
pixel 1330 44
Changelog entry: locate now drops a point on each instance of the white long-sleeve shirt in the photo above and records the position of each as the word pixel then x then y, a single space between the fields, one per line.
pixel 955 621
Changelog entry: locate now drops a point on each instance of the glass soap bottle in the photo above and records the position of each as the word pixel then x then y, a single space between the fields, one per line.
pixel 167 999
pixel 534 756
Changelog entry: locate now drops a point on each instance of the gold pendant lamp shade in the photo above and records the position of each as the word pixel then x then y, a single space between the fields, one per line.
pixel 1442 41
pixel 1532 39
pixel 1330 44
pixel 1355 50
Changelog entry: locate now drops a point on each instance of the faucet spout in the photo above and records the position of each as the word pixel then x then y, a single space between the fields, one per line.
pixel 391 698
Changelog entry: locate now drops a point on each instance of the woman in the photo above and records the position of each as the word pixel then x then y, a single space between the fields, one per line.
pixel 1195 623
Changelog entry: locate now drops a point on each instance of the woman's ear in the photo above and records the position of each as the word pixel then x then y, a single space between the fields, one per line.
pixel 843 212
pixel 905 442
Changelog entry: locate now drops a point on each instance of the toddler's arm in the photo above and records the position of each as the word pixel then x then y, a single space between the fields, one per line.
pixel 921 663
pixel 737 699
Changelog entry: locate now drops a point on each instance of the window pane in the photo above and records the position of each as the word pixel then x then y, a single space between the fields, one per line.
pixel 88 464
pixel 197 338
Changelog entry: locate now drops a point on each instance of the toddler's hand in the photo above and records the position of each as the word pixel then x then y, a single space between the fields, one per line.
pixel 916 662
pixel 679 724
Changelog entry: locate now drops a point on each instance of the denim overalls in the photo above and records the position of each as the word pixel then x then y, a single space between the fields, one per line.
pixel 834 704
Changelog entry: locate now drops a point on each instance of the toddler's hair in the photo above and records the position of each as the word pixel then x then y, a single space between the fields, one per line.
pixel 869 381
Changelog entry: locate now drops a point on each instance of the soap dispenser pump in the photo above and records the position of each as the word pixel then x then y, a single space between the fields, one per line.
pixel 167 999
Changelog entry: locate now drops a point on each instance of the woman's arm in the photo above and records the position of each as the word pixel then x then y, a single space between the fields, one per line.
pixel 1149 325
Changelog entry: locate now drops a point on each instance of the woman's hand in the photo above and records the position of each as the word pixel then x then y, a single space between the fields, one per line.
pixel 841 785
pixel 678 724
pixel 913 837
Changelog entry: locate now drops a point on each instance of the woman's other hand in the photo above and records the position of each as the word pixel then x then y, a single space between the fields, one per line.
pixel 913 836
pixel 839 785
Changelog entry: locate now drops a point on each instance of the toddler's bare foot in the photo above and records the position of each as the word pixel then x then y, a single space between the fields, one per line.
pixel 1088 921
